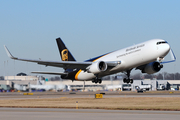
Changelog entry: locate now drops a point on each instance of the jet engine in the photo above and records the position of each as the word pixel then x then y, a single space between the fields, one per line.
pixel 152 67
pixel 97 67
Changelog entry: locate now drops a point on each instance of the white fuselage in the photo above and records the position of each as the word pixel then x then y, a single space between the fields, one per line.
pixel 130 57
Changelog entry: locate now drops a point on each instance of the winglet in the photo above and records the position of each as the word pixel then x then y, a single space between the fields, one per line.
pixel 8 53
pixel 173 57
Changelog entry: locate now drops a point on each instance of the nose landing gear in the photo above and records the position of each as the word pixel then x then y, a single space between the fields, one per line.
pixel 128 80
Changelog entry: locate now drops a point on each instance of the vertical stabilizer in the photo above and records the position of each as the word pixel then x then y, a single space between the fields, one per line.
pixel 64 52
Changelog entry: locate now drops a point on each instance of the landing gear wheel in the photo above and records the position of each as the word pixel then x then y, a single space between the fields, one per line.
pixel 128 80
pixel 124 80
pixel 96 81
pixel 131 81
pixel 100 81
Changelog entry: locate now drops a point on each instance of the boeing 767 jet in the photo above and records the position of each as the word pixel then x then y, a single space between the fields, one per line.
pixel 147 57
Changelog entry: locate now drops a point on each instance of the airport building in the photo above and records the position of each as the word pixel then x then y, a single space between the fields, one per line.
pixel 149 85
pixel 21 76
pixel 22 82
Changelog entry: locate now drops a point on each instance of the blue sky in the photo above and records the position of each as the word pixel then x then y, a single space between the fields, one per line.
pixel 88 27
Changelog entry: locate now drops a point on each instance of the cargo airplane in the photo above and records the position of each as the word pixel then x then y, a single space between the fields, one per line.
pixel 147 56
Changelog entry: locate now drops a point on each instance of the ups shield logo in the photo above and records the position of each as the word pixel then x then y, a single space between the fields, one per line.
pixel 64 55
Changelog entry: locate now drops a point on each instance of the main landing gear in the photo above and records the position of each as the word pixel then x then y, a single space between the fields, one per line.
pixel 96 80
pixel 128 80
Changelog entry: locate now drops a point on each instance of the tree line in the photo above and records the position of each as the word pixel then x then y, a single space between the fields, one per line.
pixel 140 76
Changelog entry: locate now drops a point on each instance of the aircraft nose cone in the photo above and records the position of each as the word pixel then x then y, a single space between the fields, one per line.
pixel 164 49
pixel 167 47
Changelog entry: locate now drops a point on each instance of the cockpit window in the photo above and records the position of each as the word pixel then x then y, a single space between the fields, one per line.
pixel 161 42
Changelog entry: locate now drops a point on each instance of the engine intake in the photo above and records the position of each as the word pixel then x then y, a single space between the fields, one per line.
pixel 152 67
pixel 97 67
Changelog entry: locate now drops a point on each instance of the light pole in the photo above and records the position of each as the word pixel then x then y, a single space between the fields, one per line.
pixel 7 69
pixel 14 69
pixel 174 70
pixel 4 69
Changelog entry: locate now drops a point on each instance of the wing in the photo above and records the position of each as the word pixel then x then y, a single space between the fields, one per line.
pixel 62 64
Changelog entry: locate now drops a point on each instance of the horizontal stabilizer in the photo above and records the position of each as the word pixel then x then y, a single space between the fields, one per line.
pixel 50 73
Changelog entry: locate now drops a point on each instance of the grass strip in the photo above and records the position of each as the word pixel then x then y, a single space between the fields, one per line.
pixel 134 103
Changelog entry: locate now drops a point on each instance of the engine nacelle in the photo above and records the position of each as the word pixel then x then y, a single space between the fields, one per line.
pixel 152 67
pixel 97 67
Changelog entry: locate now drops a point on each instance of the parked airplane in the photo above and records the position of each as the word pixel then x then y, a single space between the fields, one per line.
pixel 147 57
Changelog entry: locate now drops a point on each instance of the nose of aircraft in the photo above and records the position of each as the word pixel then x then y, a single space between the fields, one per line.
pixel 167 47
pixel 164 49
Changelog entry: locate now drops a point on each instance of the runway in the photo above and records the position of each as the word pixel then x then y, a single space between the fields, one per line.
pixel 86 114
